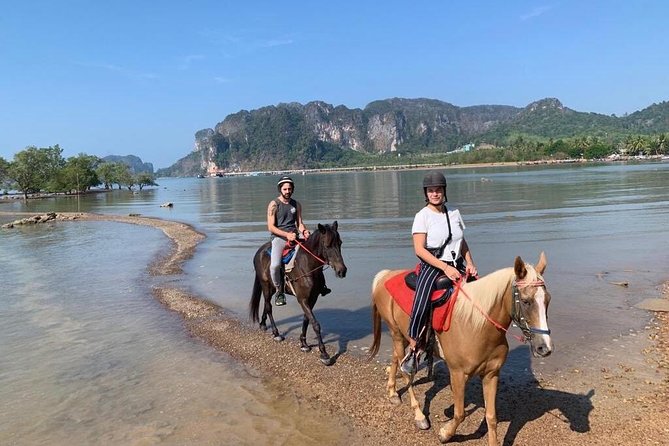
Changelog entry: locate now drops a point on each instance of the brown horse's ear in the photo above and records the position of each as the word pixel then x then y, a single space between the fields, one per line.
pixel 519 268
pixel 541 264
pixel 335 225
pixel 321 228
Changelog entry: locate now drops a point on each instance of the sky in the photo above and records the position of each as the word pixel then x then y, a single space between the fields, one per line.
pixel 141 77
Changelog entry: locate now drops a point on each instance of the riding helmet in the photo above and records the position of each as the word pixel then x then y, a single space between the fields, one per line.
pixel 283 180
pixel 433 179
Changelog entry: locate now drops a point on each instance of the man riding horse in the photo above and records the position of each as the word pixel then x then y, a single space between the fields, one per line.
pixel 284 221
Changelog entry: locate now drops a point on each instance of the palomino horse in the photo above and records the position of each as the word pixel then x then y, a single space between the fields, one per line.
pixel 476 342
pixel 305 281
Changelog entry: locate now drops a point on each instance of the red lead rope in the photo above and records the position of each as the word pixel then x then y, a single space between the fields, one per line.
pixel 313 255
pixel 458 288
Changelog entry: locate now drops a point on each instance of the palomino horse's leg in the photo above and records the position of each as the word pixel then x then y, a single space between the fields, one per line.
pixel 325 358
pixel 458 381
pixel 420 420
pixel 399 344
pixel 490 382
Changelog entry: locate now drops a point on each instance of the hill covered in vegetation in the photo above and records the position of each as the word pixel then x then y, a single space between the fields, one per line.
pixel 319 135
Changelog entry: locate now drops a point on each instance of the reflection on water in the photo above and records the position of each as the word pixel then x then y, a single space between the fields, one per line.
pixel 89 357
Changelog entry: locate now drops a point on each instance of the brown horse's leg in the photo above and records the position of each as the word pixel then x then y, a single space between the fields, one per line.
pixel 458 381
pixel 267 313
pixel 490 382
pixel 306 308
pixel 304 346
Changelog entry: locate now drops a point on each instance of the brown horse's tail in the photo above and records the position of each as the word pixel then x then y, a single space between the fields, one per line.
pixel 255 300
pixel 376 320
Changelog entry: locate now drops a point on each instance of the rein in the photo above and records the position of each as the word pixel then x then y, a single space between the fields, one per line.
pixel 322 265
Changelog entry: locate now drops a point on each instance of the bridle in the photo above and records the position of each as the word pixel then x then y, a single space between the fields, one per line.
pixel 517 313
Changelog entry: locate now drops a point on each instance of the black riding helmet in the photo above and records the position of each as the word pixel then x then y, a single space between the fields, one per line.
pixel 283 180
pixel 433 179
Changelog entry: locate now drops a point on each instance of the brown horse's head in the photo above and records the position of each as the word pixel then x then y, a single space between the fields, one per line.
pixel 329 247
pixel 530 305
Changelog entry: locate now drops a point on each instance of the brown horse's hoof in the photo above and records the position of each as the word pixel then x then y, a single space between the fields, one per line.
pixel 423 424
pixel 327 361
pixel 278 338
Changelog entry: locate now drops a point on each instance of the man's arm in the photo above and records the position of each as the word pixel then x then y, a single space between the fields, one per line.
pixel 300 224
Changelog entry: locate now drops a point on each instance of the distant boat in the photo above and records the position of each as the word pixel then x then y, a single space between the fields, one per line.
pixel 200 176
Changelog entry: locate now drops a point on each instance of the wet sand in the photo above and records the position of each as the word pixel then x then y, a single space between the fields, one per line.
pixel 597 407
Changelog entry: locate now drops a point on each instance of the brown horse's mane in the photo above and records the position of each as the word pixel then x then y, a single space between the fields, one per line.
pixel 487 292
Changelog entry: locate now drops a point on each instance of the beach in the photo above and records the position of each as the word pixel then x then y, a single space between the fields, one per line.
pixel 548 411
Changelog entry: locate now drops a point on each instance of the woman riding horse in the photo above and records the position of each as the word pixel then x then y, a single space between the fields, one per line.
pixel 475 343
pixel 439 243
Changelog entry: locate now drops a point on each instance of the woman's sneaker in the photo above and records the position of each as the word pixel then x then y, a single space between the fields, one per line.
pixel 408 364
pixel 279 299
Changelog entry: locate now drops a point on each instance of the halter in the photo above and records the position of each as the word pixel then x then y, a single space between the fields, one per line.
pixel 517 315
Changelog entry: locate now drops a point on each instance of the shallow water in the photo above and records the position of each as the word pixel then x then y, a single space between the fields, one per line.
pixel 598 224
pixel 89 357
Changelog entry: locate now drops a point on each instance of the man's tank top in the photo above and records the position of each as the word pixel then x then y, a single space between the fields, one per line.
pixel 286 215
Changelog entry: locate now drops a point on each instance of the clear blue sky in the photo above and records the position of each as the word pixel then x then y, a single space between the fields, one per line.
pixel 141 77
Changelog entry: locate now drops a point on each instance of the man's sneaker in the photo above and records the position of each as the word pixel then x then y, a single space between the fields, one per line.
pixel 325 291
pixel 279 299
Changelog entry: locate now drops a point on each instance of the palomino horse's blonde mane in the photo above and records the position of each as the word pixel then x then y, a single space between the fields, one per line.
pixel 486 291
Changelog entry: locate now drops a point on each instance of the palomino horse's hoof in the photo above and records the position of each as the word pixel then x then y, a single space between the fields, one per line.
pixel 423 424
pixel 395 400
pixel 327 361
pixel 305 348
pixel 278 338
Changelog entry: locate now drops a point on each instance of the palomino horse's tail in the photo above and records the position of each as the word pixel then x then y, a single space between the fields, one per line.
pixel 376 318
pixel 255 300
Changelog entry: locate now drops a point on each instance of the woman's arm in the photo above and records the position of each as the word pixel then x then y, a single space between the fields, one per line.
pixel 467 254
pixel 419 239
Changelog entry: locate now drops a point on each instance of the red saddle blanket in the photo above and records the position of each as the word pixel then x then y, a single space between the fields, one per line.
pixel 403 295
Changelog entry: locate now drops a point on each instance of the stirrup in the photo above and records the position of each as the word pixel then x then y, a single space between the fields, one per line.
pixel 325 291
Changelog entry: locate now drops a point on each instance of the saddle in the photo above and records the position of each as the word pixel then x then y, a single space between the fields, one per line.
pixel 287 255
pixel 440 300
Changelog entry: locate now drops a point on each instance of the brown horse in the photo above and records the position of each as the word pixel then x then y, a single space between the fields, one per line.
pixel 476 342
pixel 305 281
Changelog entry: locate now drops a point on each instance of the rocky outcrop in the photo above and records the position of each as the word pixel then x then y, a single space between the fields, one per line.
pixel 41 218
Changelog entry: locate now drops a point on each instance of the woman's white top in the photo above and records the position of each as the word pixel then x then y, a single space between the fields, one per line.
pixel 435 226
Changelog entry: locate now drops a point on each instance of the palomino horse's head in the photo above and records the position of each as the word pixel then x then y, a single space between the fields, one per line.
pixel 329 246
pixel 530 305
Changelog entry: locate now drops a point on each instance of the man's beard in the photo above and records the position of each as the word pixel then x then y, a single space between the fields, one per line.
pixel 287 196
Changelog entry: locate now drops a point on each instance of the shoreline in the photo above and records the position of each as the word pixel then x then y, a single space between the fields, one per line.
pixel 355 388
